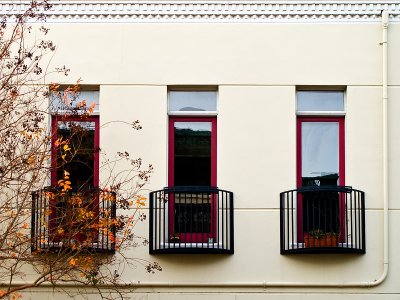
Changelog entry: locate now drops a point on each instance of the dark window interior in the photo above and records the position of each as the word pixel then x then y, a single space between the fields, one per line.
pixel 79 161
pixel 192 157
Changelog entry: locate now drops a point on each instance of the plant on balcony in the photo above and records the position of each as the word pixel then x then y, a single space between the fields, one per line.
pixel 174 238
pixel 332 239
pixel 315 238
pixel 319 238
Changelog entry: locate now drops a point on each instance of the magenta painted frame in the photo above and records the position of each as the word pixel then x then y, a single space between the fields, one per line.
pixel 340 121
pixel 96 167
pixel 53 175
pixel 192 237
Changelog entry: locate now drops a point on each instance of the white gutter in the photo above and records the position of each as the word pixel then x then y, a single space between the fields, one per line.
pixel 265 284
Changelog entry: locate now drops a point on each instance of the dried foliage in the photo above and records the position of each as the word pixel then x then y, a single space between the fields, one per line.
pixel 76 229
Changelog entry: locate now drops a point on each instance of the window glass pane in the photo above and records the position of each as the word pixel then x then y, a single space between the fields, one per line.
pixel 320 101
pixel 192 153
pixel 79 161
pixel 320 153
pixel 192 101
pixel 58 101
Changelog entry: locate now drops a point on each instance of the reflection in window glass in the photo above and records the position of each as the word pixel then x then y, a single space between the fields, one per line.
pixel 192 101
pixel 192 153
pixel 320 152
pixel 80 160
pixel 57 102
pixel 320 101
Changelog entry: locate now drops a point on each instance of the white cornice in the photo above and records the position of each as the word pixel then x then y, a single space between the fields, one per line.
pixel 261 11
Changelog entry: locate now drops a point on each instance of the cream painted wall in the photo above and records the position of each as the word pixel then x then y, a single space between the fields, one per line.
pixel 273 54
pixel 256 68
pixel 256 160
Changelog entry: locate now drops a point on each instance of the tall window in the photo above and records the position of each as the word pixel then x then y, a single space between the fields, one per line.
pixel 320 159
pixel 81 161
pixel 192 163
pixel 81 133
pixel 74 166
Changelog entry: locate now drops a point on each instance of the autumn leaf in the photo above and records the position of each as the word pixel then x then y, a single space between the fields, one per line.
pixel 53 87
pixel 72 262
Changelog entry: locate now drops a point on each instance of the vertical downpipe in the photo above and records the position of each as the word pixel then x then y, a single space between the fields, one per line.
pixel 385 23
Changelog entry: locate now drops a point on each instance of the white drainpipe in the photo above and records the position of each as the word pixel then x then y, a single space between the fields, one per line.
pixel 265 284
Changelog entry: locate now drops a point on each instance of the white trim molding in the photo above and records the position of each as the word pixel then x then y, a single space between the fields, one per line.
pixel 218 11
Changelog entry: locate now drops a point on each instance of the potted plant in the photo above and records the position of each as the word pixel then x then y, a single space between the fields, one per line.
pixel 318 238
pixel 315 238
pixel 332 239
pixel 174 238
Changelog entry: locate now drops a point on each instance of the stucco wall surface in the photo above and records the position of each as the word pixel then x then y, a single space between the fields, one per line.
pixel 256 69
pixel 280 54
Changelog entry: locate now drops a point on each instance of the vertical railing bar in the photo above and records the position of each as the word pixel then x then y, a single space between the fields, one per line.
pixel 38 214
pixel 228 215
pixel 224 236
pixel 363 220
pixel 165 205
pixel 103 210
pixel 188 219
pixel 226 225
pixel 282 216
pixel 288 218
pixel 163 218
pixel 167 214
pixel 358 219
pixel 159 224
pixel 346 229
pixel 201 224
pixel 292 216
pixel 43 245
pixel 288 212
pixel 323 205
pixel 351 222
pixel 158 229
pixel 231 226
pixel 151 217
pixel 305 205
pixel 33 219
pixel 114 208
pixel 203 244
pixel 158 203
pixel 219 219
pixel 356 236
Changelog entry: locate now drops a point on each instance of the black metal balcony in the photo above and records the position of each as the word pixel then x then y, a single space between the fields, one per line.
pixel 328 219
pixel 191 220
pixel 81 221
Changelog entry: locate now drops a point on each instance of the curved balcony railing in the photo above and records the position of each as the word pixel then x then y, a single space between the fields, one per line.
pixel 328 219
pixel 77 220
pixel 191 220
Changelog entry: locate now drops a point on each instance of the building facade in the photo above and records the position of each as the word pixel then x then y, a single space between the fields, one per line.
pixel 273 126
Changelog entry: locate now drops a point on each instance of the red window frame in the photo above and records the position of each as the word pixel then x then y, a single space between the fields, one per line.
pixel 54 126
pixel 192 237
pixel 53 223
pixel 341 122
